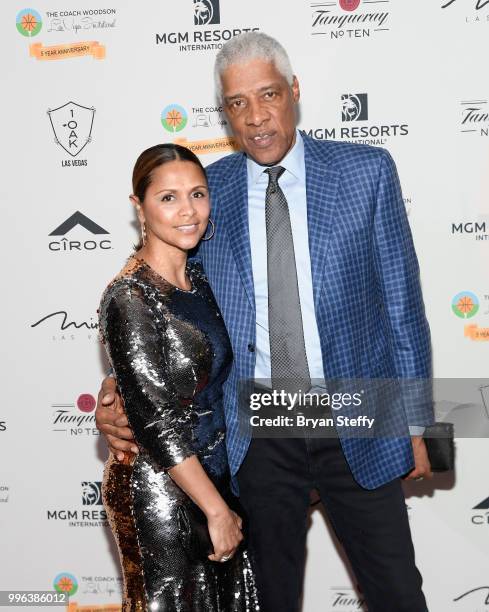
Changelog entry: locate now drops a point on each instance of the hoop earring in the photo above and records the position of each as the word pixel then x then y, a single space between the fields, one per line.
pixel 143 233
pixel 213 231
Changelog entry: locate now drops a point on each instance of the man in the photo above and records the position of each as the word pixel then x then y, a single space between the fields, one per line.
pixel 313 266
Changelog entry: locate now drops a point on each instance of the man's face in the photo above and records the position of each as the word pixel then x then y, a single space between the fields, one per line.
pixel 260 106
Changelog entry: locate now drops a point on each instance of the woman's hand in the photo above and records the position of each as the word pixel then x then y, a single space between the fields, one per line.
pixel 225 532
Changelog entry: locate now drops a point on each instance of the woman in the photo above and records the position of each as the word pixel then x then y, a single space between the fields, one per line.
pixel 170 353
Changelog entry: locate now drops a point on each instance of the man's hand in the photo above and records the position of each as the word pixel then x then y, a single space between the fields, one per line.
pixel 422 467
pixel 111 420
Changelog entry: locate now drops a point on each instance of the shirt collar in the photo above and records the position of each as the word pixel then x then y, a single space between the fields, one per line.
pixel 293 162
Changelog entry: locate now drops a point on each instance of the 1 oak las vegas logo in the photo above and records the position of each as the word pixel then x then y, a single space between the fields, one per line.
pixel 72 126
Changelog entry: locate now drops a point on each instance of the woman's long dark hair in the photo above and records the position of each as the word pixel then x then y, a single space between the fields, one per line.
pixel 151 159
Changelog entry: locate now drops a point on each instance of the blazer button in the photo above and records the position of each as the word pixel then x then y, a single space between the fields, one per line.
pixel 251 348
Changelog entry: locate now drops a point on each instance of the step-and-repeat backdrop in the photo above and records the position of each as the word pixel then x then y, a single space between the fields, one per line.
pixel 86 87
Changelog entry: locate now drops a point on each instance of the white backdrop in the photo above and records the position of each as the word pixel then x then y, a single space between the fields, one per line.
pixel 410 75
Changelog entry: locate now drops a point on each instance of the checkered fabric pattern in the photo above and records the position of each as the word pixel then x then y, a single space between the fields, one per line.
pixel 367 293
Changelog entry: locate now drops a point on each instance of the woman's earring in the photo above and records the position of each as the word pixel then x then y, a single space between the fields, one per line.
pixel 143 233
pixel 213 231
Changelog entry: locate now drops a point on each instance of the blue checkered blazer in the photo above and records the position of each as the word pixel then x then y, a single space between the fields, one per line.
pixel 367 293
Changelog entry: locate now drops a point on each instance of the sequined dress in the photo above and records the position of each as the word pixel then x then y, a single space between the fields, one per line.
pixel 170 353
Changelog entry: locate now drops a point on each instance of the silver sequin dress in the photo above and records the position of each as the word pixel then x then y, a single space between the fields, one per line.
pixel 170 353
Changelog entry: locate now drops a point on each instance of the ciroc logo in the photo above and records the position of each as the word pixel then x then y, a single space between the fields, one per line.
pixel 78 218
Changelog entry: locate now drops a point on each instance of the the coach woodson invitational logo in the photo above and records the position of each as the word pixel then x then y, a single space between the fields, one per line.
pixel 79 225
pixel 476 230
pixel 75 419
pixel 29 22
pixel 349 18
pixel 80 515
pixel 65 583
pixel 465 305
pixel 92 585
pixel 203 13
pixel 471 10
pixel 475 117
pixel 175 118
pixel 72 125
pixel 82 22
pixel 357 125
pixel 480 513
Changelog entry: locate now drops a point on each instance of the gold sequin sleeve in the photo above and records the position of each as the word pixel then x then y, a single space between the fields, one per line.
pixel 133 331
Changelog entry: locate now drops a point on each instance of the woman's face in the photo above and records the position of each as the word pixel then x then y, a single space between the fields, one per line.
pixel 176 205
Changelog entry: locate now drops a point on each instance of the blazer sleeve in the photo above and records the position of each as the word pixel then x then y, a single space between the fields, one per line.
pixel 136 349
pixel 397 271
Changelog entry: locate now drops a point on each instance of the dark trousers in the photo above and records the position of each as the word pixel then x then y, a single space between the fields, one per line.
pixel 275 481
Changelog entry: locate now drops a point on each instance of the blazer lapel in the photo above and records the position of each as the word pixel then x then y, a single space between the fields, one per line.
pixel 234 202
pixel 321 188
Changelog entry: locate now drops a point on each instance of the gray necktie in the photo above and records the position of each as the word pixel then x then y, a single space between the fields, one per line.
pixel 290 370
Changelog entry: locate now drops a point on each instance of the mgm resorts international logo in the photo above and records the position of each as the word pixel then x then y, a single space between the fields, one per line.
pixel 475 117
pixel 76 221
pixel 202 38
pixel 477 230
pixel 72 125
pixel 350 18
pixel 80 515
pixel 75 419
pixel 353 109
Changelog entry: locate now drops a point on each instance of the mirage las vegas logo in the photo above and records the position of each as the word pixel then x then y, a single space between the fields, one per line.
pixel 72 125
pixel 349 18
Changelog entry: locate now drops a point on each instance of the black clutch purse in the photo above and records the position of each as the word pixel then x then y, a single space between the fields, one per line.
pixel 440 445
pixel 192 531
pixel 192 527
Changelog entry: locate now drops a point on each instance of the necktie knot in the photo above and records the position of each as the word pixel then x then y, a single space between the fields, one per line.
pixel 274 174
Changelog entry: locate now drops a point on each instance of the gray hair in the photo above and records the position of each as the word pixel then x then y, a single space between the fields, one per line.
pixel 249 46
